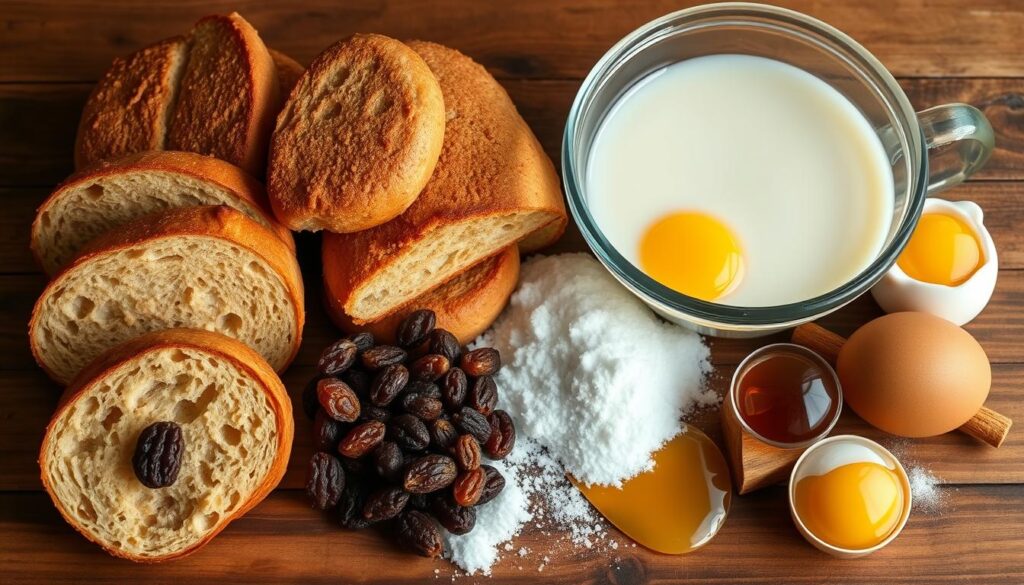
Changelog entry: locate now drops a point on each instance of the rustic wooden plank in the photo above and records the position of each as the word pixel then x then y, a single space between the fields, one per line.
pixel 972 540
pixel 38 121
pixel 521 39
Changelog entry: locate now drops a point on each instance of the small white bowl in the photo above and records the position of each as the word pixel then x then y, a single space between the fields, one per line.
pixel 811 456
pixel 897 292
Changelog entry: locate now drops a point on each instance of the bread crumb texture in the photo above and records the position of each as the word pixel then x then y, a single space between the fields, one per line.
pixel 230 435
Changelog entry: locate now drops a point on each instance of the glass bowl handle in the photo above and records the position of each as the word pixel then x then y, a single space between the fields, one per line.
pixel 959 140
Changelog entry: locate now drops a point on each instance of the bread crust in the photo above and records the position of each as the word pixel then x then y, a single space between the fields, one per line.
pixel 218 221
pixel 491 164
pixel 203 119
pixel 466 305
pixel 228 349
pixel 288 71
pixel 358 137
pixel 201 167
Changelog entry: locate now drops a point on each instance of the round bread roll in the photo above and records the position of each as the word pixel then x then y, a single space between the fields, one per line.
pixel 358 137
pixel 466 305
pixel 236 423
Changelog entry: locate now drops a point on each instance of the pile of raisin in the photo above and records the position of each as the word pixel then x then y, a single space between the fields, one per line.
pixel 401 433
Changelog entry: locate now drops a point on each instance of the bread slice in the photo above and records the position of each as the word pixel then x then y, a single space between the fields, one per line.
pixel 358 137
pixel 229 94
pixel 492 186
pixel 465 305
pixel 288 71
pixel 236 422
pixel 130 108
pixel 207 267
pixel 110 194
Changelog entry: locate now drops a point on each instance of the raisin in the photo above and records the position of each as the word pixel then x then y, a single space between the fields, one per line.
pixel 409 432
pixel 358 380
pixel 384 504
pixel 483 396
pixel 468 487
pixel 325 480
pixel 373 412
pixel 388 383
pixel 326 432
pixel 443 434
pixel 338 357
pixel 493 484
pixel 354 467
pixel 362 439
pixel 444 343
pixel 415 328
pixel 453 388
pixel 481 362
pixel 455 518
pixel 424 388
pixel 417 531
pixel 429 367
pixel 158 452
pixel 429 474
pixel 466 452
pixel 350 507
pixel 388 461
pixel 382 356
pixel 310 402
pixel 363 340
pixel 418 502
pixel 422 407
pixel 503 435
pixel 337 400
pixel 472 422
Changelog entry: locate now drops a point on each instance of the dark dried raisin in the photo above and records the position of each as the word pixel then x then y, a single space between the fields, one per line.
pixel 466 452
pixel 418 501
pixel 418 532
pixel 422 407
pixel 385 504
pixel 483 396
pixel 388 461
pixel 454 387
pixel 481 362
pixel 468 487
pixel 494 482
pixel 429 474
pixel 158 453
pixel 455 518
pixel 443 434
pixel 415 328
pixel 325 480
pixel 373 412
pixel 424 388
pixel 326 432
pixel 429 367
pixel 355 467
pixel 472 422
pixel 444 343
pixel 337 400
pixel 362 439
pixel 388 384
pixel 338 357
pixel 503 435
pixel 409 432
pixel 381 356
pixel 358 380
pixel 363 340
pixel 350 507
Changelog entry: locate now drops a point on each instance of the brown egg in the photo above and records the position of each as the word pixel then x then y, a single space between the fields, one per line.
pixel 914 374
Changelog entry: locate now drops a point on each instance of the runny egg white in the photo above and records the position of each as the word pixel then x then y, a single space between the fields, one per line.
pixel 740 180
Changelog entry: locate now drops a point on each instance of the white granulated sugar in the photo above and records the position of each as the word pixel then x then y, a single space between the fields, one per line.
pixel 590 372
pixel 927 496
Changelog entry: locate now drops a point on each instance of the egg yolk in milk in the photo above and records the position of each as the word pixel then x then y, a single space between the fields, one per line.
pixel 853 506
pixel 943 250
pixel 692 253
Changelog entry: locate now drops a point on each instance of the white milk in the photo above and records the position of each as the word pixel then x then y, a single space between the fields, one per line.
pixel 781 158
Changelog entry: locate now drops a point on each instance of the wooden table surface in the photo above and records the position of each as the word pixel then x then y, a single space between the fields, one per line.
pixel 51 51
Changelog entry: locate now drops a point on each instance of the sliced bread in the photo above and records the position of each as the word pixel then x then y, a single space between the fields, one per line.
pixel 236 424
pixel 288 71
pixel 358 137
pixel 208 267
pixel 465 305
pixel 493 186
pixel 109 194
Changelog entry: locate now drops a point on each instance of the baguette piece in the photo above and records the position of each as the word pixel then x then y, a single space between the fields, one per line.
pixel 288 71
pixel 208 267
pixel 236 421
pixel 492 186
pixel 358 137
pixel 465 305
pixel 110 194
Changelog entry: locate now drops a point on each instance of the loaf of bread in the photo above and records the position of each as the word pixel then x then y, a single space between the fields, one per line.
pixel 208 267
pixel 236 423
pixel 214 92
pixel 493 186
pixel 465 305
pixel 358 137
pixel 109 194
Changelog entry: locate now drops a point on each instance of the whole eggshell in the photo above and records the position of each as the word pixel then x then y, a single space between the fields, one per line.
pixel 914 374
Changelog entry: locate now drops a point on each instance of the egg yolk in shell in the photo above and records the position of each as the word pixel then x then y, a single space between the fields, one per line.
pixel 692 253
pixel 942 250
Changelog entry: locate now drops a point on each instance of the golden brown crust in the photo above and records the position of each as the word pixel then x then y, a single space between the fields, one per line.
pixel 129 109
pixel 228 96
pixel 204 168
pixel 218 221
pixel 288 71
pixel 358 137
pixel 466 305
pixel 231 350
pixel 490 164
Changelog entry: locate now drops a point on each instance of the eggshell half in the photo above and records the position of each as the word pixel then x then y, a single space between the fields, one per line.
pixel 914 374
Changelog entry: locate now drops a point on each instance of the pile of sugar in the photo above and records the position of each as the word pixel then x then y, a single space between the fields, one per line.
pixel 595 383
